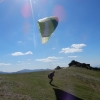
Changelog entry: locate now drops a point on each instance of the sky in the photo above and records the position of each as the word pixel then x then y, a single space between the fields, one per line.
pixel 77 36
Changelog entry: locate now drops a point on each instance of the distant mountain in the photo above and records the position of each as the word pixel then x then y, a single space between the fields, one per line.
pixel 3 72
pixel 24 71
pixel 27 70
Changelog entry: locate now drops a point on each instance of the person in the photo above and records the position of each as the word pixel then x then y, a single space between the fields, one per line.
pixel 50 76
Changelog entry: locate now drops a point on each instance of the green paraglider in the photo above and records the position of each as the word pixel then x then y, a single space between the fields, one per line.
pixel 47 26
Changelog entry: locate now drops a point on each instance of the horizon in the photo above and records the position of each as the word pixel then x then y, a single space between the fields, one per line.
pixel 25 69
pixel 46 68
pixel 76 36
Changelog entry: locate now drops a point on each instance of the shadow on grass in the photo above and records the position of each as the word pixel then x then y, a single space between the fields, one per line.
pixel 62 95
pixel 54 85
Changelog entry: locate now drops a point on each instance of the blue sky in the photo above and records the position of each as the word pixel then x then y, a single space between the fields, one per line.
pixel 77 36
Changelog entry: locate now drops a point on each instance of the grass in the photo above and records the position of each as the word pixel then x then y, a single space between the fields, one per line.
pixel 79 82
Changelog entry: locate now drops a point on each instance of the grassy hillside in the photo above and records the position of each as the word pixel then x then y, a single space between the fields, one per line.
pixel 69 84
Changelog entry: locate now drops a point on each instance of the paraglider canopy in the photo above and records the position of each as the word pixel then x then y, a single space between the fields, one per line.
pixel 47 26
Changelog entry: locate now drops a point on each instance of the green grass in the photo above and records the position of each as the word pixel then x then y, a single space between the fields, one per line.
pixel 80 82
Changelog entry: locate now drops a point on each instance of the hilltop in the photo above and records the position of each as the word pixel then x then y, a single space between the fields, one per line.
pixel 83 65
pixel 72 82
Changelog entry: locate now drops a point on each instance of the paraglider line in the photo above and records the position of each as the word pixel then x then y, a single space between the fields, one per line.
pixel 33 22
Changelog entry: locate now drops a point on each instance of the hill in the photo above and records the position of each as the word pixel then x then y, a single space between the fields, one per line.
pixel 72 83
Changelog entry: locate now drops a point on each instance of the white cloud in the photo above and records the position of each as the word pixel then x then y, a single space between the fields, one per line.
pixel 20 53
pixel 74 48
pixel 72 56
pixel 49 59
pixel 17 54
pixel 70 50
pixel 78 45
pixel 5 64
pixel 44 60
pixel 54 58
pixel 28 53
pixel 18 61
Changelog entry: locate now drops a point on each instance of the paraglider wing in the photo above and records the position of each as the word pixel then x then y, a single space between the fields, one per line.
pixel 47 26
